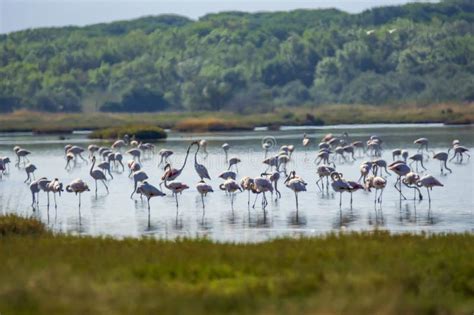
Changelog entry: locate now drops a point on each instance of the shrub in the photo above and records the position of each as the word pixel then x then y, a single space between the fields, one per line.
pixel 211 124
pixel 12 224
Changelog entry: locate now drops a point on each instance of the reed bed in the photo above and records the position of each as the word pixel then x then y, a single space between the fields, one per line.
pixel 222 121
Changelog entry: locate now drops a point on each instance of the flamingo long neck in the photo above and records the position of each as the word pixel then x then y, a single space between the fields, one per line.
pixel 92 166
pixel 196 153
pixel 185 159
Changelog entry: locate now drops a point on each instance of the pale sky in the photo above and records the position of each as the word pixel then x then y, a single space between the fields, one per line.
pixel 22 14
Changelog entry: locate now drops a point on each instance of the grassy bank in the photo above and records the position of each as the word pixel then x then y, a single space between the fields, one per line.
pixel 353 274
pixel 217 121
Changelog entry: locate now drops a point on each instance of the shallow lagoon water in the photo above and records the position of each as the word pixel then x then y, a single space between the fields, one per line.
pixel 115 214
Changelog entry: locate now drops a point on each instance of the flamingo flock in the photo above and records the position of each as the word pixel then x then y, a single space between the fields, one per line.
pixel 375 172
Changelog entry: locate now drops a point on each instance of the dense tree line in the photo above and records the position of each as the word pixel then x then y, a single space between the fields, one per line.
pixel 244 62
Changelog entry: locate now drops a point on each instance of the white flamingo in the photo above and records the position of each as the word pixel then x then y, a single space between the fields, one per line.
pixel 261 185
pixel 230 186
pixel 295 183
pixel 201 170
pixel 176 187
pixel 78 186
pixel 30 170
pixel 203 190
pixel 138 177
pixel 429 182
pixel 233 162
pixel 97 175
pixel 149 191
pixel 226 148
pixel 442 157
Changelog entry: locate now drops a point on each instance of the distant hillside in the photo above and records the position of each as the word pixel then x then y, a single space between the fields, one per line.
pixel 416 53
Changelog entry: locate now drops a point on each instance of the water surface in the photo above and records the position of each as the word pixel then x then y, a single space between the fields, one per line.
pixel 115 214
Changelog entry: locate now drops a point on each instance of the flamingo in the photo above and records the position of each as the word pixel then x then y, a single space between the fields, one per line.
pixel 6 161
pixel 261 185
pixel 423 143
pixel 323 156
pixel 230 186
pixel 135 153
pixel 271 162
pixel 378 183
pixel 105 167
pixel 339 185
pixel 283 160
pixel 138 176
pixel 246 183
pixel 226 148
pixel 176 187
pixel 92 148
pixel 172 173
pixel 133 167
pixel 266 145
pixel 66 149
pixel 324 145
pixel 164 155
pixel 69 157
pixel 228 174
pixel 234 161
pixel 417 158
pixel 149 191
pixel 54 186
pixel 410 181
pixel 350 150
pixel 306 141
pixel 401 169
pixel 201 170
pixel 396 154
pixel 30 169
pixel 405 155
pixel 203 190
pixel 443 159
pixel 459 151
pixel 274 178
pixel 380 163
pixel 22 153
pixel 119 158
pixel 295 183
pixel 77 151
pixel 324 171
pixel 360 146
pixel 429 182
pixel 365 169
pixel 2 168
pixel 118 144
pixel 203 145
pixel 35 188
pixel 354 186
pixel 97 175
pixel 78 186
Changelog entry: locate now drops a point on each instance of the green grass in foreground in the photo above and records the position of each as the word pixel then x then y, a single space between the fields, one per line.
pixel 365 273
pixel 221 121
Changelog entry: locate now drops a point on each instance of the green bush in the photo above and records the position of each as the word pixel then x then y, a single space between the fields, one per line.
pixel 12 224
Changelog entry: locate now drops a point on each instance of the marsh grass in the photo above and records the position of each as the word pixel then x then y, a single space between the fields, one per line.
pixel 204 121
pixel 355 273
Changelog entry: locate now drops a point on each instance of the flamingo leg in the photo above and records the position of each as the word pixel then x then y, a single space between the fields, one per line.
pixel 107 188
